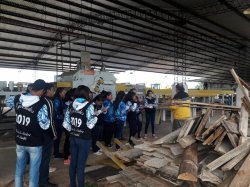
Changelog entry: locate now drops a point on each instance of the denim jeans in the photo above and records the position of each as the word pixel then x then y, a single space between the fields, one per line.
pixel 35 156
pixel 46 155
pixel 79 149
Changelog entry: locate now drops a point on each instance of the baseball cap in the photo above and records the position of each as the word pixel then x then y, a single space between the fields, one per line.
pixel 39 84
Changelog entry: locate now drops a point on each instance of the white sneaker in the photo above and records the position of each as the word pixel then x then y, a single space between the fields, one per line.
pixel 51 169
pixel 98 153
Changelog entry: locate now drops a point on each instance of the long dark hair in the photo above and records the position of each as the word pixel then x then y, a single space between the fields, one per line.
pixel 58 91
pixel 106 94
pixel 99 97
pixel 69 96
pixel 149 92
pixel 129 96
pixel 119 97
pixel 82 92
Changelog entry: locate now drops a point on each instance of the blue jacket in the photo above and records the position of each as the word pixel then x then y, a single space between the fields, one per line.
pixel 59 108
pixel 121 112
pixel 109 116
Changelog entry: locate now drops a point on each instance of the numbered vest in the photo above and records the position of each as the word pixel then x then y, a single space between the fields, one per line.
pixel 78 121
pixel 28 130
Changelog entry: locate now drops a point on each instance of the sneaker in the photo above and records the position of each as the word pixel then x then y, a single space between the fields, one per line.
pixel 110 145
pixel 66 162
pixel 97 153
pixel 145 136
pixel 51 169
pixel 154 136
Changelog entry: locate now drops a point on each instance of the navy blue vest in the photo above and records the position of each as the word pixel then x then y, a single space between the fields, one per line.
pixel 78 121
pixel 28 131
pixel 150 101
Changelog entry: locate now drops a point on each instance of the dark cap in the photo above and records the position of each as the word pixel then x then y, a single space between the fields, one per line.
pixel 39 84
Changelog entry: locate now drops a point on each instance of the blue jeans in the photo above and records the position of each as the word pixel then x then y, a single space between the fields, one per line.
pixel 35 156
pixel 79 149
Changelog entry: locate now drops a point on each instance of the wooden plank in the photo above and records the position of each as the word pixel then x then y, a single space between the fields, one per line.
pixel 156 162
pixel 176 149
pixel 220 138
pixel 233 139
pixel 214 136
pixel 203 122
pixel 169 138
pixel 243 90
pixel 243 125
pixel 122 146
pixel 110 155
pixel 189 166
pixel 186 129
pixel 244 84
pixel 183 129
pixel 228 156
pixel 242 177
pixel 230 126
pixel 228 166
pixel 224 147
pixel 207 176
pixel 212 127
pixel 187 141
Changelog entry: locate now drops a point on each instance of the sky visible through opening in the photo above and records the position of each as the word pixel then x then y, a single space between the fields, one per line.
pixel 133 77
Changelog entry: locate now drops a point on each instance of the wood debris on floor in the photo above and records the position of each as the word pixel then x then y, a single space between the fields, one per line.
pixel 198 154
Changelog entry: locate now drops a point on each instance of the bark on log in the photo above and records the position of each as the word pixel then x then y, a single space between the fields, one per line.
pixel 189 166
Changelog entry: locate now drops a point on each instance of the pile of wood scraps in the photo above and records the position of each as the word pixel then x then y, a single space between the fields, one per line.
pixel 201 153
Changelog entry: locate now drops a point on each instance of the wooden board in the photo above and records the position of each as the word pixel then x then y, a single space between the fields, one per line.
pixel 212 127
pixel 186 129
pixel 176 149
pixel 145 147
pixel 244 84
pixel 242 177
pixel 203 122
pixel 231 126
pixel 169 138
pixel 228 156
pixel 208 176
pixel 122 146
pixel 213 136
pixel 110 155
pixel 233 139
pixel 224 146
pixel 220 138
pixel 156 162
pixel 228 166
pixel 187 140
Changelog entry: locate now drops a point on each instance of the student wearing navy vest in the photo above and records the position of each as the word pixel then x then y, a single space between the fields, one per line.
pixel 109 119
pixel 79 120
pixel 98 129
pixel 150 104
pixel 59 116
pixel 120 114
pixel 31 120
pixel 131 103
pixel 49 137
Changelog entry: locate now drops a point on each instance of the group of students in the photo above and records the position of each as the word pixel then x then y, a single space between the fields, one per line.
pixel 42 117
